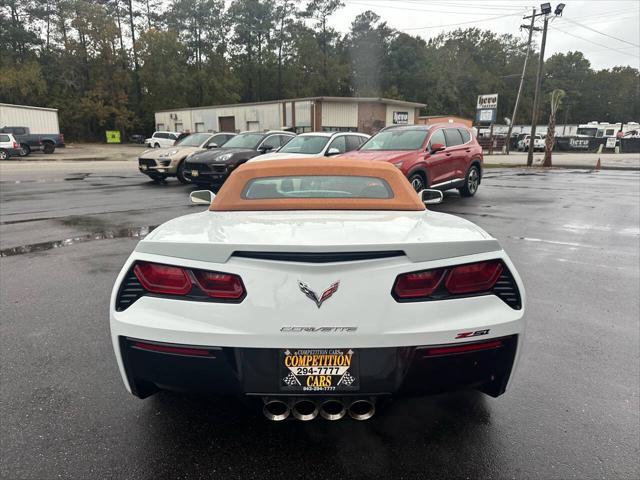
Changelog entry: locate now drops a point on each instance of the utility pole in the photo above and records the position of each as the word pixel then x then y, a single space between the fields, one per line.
pixel 531 28
pixel 536 96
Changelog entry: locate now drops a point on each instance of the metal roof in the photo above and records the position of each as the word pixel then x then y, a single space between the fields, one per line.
pixel 323 99
pixel 28 107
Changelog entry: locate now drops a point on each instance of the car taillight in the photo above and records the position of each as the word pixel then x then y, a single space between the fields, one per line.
pixel 456 280
pixel 474 277
pixel 190 283
pixel 15 144
pixel 166 279
pixel 418 284
pixel 219 285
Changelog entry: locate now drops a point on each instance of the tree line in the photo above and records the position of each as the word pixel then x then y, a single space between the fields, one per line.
pixel 110 64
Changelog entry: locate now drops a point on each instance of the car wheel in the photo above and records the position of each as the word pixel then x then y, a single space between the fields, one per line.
pixel 417 182
pixel 48 147
pixel 471 182
pixel 24 150
pixel 3 155
pixel 156 145
pixel 180 173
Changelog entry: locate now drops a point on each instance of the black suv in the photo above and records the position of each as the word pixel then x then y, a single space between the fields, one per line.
pixel 211 168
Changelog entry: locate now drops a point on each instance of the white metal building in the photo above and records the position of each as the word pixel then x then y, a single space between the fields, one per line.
pixel 300 115
pixel 38 119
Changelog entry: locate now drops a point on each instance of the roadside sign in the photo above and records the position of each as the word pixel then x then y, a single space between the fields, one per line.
pixel 611 142
pixel 487 108
pixel 400 118
pixel 113 136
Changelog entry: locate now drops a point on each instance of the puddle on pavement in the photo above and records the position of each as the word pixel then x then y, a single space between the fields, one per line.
pixel 137 232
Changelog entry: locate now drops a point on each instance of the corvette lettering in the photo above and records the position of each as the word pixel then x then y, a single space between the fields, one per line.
pixel 319 329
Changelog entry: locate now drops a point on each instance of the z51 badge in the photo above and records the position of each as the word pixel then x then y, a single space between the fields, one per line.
pixel 319 370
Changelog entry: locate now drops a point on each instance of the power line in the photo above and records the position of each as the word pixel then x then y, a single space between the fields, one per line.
pixel 601 33
pixel 456 12
pixel 461 23
pixel 590 41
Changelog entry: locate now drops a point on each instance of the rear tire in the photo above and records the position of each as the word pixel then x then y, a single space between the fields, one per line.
pixel 24 150
pixel 48 148
pixel 156 145
pixel 471 182
pixel 180 173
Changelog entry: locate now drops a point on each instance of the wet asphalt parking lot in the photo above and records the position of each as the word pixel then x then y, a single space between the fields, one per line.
pixel 572 410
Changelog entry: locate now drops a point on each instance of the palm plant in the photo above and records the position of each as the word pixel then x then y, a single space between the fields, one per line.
pixel 556 99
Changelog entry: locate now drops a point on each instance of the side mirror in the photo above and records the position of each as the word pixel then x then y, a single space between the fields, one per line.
pixel 202 197
pixel 430 196
pixel 437 147
pixel 332 151
pixel 212 145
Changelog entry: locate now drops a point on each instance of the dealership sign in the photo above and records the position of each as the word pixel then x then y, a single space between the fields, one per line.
pixel 400 118
pixel 487 108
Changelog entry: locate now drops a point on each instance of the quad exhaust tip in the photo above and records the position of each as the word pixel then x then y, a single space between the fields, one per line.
pixel 305 409
pixel 276 410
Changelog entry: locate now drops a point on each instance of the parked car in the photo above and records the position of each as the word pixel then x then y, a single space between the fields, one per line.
pixel 8 146
pixel 440 156
pixel 160 163
pixel 317 288
pixel 161 139
pixel 538 143
pixel 136 138
pixel 317 144
pixel 213 167
pixel 47 142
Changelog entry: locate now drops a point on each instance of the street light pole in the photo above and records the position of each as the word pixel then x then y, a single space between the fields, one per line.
pixel 536 96
pixel 531 28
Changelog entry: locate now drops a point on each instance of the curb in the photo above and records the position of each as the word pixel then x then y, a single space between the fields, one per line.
pixel 565 167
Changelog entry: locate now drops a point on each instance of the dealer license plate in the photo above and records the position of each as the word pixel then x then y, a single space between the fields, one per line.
pixel 319 370
pixel 194 173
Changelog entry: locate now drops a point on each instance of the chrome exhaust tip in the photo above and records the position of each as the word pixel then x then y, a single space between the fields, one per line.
pixel 332 409
pixel 276 410
pixel 304 410
pixel 361 409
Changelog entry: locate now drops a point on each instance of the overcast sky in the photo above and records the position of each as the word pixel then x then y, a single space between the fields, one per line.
pixel 586 25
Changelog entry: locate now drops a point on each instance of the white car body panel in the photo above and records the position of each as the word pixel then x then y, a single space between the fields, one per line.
pixel 363 300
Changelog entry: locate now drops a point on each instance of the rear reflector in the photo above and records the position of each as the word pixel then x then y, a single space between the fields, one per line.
pixel 194 352
pixel 219 285
pixel 418 284
pixel 166 279
pixel 471 347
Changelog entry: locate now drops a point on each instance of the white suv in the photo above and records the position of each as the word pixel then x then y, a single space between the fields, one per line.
pixel 162 139
pixel 317 144
pixel 8 146
pixel 538 143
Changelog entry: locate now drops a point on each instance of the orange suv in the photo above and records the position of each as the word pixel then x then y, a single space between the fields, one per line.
pixel 441 156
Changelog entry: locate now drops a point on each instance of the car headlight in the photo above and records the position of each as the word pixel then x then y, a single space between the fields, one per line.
pixel 398 164
pixel 224 158
pixel 169 153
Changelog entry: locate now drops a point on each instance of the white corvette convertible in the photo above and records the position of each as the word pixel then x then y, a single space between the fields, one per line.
pixel 317 288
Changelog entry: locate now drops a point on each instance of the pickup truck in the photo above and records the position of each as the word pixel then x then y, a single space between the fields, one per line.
pixel 47 142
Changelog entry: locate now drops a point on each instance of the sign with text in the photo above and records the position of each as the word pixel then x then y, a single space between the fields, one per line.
pixel 400 118
pixel 487 108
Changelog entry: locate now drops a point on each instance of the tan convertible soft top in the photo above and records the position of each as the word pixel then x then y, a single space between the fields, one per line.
pixel 229 198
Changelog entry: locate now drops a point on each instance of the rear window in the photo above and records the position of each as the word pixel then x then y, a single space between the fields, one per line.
pixel 466 136
pixel 4 138
pixel 453 137
pixel 396 140
pixel 316 186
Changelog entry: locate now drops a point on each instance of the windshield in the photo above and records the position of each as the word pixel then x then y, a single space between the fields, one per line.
pixel 310 144
pixel 194 140
pixel 589 132
pixel 316 186
pixel 396 140
pixel 245 140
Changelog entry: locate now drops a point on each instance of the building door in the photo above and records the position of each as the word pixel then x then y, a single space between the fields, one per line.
pixel 227 124
pixel 253 126
pixel 199 127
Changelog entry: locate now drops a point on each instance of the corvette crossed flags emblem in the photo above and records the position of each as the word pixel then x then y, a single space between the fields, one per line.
pixel 313 296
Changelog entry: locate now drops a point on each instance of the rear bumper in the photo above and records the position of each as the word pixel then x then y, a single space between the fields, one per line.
pixel 392 371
